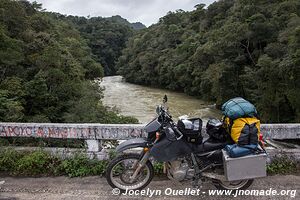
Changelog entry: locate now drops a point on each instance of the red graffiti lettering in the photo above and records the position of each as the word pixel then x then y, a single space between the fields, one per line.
pixel 11 131
pixel 28 131
pixel 3 131
pixel 51 132
pixel 64 133
pixel 40 132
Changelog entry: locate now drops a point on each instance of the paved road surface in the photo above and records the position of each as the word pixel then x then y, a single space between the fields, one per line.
pixel 52 188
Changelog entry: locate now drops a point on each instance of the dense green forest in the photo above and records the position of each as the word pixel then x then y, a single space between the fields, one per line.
pixel 105 36
pixel 248 48
pixel 49 62
pixel 47 70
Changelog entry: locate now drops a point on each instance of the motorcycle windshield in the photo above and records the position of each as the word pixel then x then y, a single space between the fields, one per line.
pixel 153 126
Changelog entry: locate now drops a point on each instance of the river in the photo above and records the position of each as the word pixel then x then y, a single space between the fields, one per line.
pixel 140 101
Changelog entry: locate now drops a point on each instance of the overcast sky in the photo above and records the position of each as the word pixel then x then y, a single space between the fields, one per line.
pixel 145 11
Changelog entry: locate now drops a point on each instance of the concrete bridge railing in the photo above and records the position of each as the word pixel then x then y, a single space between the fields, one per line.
pixel 95 133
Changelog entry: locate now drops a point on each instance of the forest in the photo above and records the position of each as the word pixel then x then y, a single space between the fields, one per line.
pixel 49 71
pixel 247 48
pixel 105 36
pixel 51 64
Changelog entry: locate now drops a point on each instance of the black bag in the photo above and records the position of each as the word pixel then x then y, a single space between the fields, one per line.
pixel 215 130
pixel 191 129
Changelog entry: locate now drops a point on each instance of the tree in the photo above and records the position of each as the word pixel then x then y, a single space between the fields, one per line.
pixel 47 69
pixel 231 48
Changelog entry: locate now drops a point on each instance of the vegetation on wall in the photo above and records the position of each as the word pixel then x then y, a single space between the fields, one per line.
pixel 232 48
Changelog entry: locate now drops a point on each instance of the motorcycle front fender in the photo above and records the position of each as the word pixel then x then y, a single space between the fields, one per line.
pixel 132 143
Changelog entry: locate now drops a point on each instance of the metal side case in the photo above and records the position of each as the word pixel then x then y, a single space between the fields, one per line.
pixel 246 167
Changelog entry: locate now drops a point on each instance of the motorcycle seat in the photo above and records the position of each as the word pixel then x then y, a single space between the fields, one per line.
pixel 210 145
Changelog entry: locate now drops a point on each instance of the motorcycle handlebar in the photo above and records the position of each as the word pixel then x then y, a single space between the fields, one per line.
pixel 173 125
pixel 179 132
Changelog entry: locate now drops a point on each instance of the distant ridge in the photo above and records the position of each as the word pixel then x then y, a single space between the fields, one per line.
pixel 138 25
pixel 135 25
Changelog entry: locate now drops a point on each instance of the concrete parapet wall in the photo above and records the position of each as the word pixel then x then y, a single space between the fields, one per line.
pixel 117 131
pixel 95 133
pixel 281 131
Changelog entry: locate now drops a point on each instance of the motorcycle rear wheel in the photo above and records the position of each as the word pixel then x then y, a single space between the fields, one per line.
pixel 233 185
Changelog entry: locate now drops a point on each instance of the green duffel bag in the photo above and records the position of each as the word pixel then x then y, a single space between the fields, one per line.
pixel 237 108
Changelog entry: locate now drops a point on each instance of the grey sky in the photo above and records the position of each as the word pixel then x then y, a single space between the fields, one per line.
pixel 145 11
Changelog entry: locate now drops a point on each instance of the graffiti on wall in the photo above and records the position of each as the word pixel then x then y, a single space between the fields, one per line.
pixel 101 131
pixel 80 132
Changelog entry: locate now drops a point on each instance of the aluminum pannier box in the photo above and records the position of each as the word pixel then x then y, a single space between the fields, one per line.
pixel 246 167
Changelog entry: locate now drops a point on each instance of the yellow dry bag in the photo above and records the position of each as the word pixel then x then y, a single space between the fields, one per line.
pixel 243 131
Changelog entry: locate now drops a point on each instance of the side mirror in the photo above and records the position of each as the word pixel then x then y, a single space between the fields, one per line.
pixel 165 99
pixel 158 110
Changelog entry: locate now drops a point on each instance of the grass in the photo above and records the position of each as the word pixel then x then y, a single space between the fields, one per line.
pixel 41 163
pixel 283 165
pixel 158 168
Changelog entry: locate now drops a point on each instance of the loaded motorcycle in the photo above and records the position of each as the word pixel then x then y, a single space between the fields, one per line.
pixel 186 156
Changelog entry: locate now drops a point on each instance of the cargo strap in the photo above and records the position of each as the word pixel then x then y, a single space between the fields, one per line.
pixel 239 106
pixel 236 103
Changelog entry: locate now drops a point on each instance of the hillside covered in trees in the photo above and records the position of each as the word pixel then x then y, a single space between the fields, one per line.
pixel 105 36
pixel 47 69
pixel 248 48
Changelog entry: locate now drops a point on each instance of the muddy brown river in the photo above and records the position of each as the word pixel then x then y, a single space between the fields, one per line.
pixel 140 101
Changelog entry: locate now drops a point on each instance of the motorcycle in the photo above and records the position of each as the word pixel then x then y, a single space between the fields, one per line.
pixel 186 156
